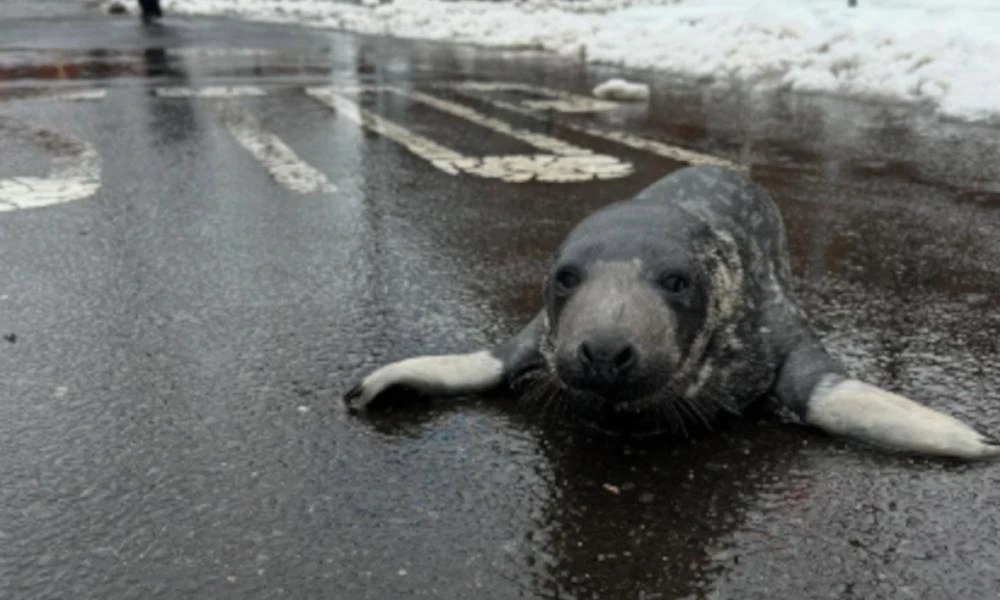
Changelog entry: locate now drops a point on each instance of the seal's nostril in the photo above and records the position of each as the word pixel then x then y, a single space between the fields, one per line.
pixel 606 359
pixel 625 358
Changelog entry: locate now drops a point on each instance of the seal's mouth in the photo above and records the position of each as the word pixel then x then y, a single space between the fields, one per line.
pixel 633 397
pixel 615 414
pixel 648 410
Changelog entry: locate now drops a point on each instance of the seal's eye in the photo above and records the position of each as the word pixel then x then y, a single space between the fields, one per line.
pixel 567 278
pixel 674 283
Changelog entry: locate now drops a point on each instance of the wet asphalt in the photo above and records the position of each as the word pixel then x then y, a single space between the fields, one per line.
pixel 175 345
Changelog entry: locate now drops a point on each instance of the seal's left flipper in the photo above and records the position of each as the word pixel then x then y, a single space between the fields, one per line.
pixel 856 409
pixel 451 374
pixel 811 383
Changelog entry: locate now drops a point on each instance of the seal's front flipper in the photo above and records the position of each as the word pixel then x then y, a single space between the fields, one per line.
pixel 811 383
pixel 450 374
pixel 445 375
pixel 856 409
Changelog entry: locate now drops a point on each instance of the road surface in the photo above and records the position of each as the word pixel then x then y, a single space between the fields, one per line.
pixel 209 229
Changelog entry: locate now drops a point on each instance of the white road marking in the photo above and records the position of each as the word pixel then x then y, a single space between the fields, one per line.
pixel 34 94
pixel 284 165
pixel 558 100
pixel 75 172
pixel 82 95
pixel 530 108
pixel 665 150
pixel 215 51
pixel 538 140
pixel 559 162
pixel 234 91
pixel 280 161
pixel 418 144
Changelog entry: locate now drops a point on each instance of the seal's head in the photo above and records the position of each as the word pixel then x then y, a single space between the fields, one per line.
pixel 632 301
pixel 620 328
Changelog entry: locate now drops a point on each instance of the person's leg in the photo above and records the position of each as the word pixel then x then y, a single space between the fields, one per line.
pixel 150 10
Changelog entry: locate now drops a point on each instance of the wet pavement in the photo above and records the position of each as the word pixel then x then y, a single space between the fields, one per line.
pixel 203 273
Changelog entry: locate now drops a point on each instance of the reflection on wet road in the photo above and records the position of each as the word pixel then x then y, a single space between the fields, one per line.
pixel 177 336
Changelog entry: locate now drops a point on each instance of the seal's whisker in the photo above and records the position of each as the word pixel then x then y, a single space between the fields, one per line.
pixel 700 412
pixel 675 421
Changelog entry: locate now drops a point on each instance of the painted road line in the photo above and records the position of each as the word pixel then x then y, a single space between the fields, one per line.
pixel 281 162
pixel 665 150
pixel 203 51
pixel 234 91
pixel 474 90
pixel 95 95
pixel 538 140
pixel 559 162
pixel 418 144
pixel 36 94
pixel 557 100
pixel 75 173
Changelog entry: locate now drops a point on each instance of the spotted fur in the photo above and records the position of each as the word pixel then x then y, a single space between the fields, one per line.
pixel 735 338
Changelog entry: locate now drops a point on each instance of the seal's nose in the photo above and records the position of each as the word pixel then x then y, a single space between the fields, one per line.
pixel 607 360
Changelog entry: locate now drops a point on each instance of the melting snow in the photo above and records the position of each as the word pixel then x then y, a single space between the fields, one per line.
pixel 941 53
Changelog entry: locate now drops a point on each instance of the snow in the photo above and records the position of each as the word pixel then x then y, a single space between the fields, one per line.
pixel 621 90
pixel 939 52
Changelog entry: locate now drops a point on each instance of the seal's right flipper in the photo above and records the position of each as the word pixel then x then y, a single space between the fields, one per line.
pixel 450 374
pixel 817 388
pixel 443 375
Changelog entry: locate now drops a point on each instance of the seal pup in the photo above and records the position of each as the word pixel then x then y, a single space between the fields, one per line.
pixel 674 307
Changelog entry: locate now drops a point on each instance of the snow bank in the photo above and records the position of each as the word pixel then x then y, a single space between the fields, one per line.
pixel 936 51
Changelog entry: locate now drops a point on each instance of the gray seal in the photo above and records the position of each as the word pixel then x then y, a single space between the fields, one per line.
pixel 672 309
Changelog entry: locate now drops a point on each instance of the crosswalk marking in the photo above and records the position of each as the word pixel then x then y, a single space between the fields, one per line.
pixel 559 161
pixel 557 100
pixel 281 162
pixel 76 165
pixel 474 90
pixel 233 91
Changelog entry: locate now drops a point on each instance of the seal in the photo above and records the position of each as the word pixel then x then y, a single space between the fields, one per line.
pixel 673 308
